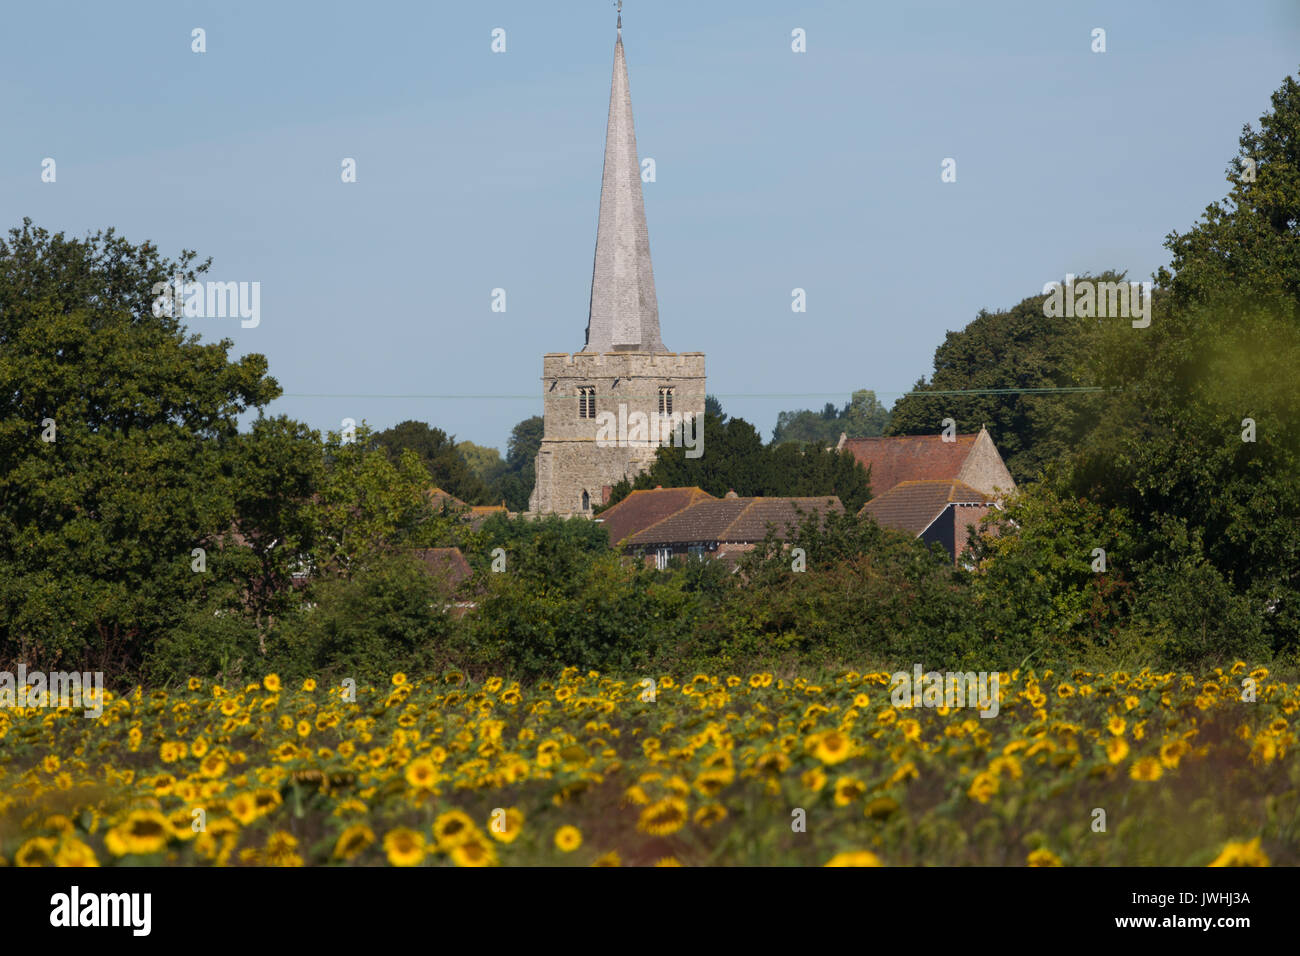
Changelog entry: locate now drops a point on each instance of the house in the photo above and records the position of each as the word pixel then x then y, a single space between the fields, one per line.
pixel 934 511
pixel 971 459
pixel 641 509
pixel 723 527
pixel 931 486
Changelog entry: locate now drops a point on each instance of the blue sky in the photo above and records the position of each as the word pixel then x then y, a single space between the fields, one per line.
pixel 775 170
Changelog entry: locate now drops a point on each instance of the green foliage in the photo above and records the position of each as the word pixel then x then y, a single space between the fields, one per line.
pixel 97 526
pixel 389 615
pixel 214 639
pixel 279 467
pixel 368 502
pixel 545 552
pixel 1036 586
pixel 1020 348
pixel 1223 347
pixel 1249 244
pixel 861 417
pixel 513 482
pixel 1189 611
pixel 604 614
pixel 735 459
pixel 440 456
pixel 867 594
pixel 486 463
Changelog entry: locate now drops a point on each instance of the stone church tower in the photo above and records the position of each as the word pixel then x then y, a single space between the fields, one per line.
pixel 624 373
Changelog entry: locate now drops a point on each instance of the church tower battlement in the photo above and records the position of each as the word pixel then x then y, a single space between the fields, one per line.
pixel 624 368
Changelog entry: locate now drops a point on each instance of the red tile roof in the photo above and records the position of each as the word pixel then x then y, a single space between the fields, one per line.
pixel 910 458
pixel 736 520
pixel 641 509
pixel 912 506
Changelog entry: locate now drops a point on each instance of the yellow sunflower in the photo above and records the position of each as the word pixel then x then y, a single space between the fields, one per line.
pixel 404 847
pixel 474 852
pixel 1147 769
pixel 663 817
pixel 38 851
pixel 831 747
pixel 352 841
pixel 506 824
pixel 72 852
pixel 452 829
pixel 568 839
pixel 1241 854
pixel 855 858
pixel 142 832
pixel 421 773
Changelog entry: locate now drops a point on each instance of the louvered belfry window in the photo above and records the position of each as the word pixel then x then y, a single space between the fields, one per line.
pixel 665 401
pixel 586 402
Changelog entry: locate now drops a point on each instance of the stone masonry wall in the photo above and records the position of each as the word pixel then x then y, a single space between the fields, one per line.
pixel 570 461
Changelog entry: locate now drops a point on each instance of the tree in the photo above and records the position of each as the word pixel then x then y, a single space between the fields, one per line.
pixel 368 504
pixel 486 463
pixel 102 505
pixel 389 616
pixel 1006 353
pixel 1200 439
pixel 862 417
pixel 280 466
pixel 438 453
pixel 515 484
pixel 735 459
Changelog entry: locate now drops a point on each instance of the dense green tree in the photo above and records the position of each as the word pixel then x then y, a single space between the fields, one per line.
pixel 279 468
pixel 861 417
pixel 368 504
pixel 1002 355
pixel 98 523
pixel 440 456
pixel 486 463
pixel 1174 448
pixel 608 615
pixel 514 483
pixel 1055 574
pixel 735 459
pixel 866 595
pixel 391 615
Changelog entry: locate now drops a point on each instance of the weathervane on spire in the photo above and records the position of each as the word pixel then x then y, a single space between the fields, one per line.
pixel 620 15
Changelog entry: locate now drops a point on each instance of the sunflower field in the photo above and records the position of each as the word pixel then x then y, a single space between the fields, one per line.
pixel 1077 769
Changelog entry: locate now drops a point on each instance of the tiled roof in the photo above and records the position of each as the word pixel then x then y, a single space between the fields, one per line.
pixel 912 506
pixel 910 458
pixel 732 520
pixel 641 509
pixel 441 497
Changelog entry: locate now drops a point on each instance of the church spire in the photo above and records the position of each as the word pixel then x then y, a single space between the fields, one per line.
pixel 624 314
